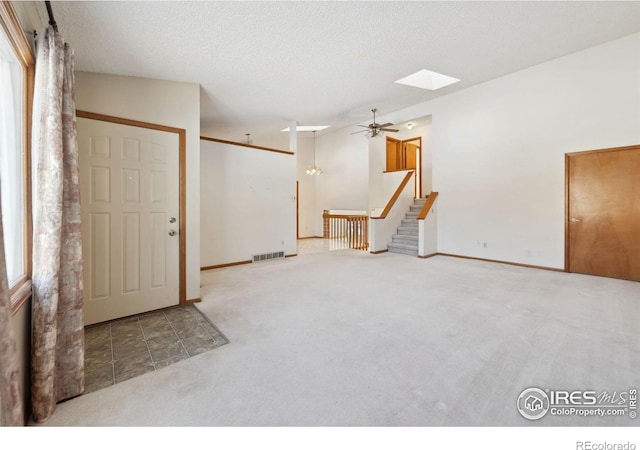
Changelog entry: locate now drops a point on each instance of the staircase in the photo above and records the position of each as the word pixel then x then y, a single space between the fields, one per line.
pixel 406 239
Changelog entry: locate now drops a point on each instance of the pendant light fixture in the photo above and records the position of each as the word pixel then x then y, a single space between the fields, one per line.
pixel 314 170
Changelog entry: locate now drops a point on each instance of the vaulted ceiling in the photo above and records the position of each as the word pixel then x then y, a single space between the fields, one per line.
pixel 263 64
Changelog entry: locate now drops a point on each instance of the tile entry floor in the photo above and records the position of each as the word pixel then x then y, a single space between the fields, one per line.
pixel 125 348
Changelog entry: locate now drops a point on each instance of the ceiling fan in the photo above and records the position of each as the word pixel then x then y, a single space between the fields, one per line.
pixel 374 129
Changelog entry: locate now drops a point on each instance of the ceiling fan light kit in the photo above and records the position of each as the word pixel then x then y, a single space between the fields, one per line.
pixel 376 129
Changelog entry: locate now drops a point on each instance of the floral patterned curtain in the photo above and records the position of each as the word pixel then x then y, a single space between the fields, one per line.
pixel 57 358
pixel 10 398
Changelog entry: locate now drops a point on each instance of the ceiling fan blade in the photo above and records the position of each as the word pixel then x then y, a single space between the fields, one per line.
pixel 365 126
pixel 389 129
pixel 385 125
pixel 361 131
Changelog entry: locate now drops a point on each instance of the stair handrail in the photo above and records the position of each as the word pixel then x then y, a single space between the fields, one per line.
pixel 395 196
pixel 352 222
pixel 431 198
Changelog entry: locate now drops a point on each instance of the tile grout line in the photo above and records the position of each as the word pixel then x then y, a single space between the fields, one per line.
pixel 144 337
pixel 113 358
pixel 193 313
pixel 177 335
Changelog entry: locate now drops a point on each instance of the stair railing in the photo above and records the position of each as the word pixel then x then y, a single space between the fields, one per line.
pixel 346 230
pixel 384 225
pixel 431 199
pixel 394 198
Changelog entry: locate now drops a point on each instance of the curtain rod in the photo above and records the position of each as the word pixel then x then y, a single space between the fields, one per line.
pixel 52 21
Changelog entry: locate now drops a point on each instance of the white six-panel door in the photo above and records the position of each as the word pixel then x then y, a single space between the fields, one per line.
pixel 129 193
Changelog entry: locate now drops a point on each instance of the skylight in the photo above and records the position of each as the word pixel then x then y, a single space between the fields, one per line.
pixel 426 79
pixel 308 128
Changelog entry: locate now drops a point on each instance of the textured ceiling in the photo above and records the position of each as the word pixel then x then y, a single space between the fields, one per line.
pixel 263 64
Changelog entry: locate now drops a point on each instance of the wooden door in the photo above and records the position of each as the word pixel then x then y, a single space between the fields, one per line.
pixel 603 213
pixel 129 182
pixel 394 155
pixel 410 155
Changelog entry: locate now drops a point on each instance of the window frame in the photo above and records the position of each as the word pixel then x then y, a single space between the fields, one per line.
pixel 21 290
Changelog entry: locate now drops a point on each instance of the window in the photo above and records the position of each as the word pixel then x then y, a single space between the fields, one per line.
pixel 17 70
pixel 12 160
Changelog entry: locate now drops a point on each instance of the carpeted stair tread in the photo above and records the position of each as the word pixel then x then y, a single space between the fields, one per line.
pixel 407 231
pixel 410 223
pixel 406 238
pixel 409 237
pixel 403 248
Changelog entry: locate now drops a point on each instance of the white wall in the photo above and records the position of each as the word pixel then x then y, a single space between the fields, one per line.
pixel 498 149
pixel 306 186
pixel 354 167
pixel 382 230
pixel 390 183
pixel 380 191
pixel 248 203
pixel 422 130
pixel 382 185
pixel 344 158
pixel 428 232
pixel 167 103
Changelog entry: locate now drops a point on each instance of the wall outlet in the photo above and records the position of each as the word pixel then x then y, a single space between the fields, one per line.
pixel 529 252
pixel 485 244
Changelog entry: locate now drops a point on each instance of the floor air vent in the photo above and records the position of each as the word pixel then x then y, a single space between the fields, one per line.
pixel 268 256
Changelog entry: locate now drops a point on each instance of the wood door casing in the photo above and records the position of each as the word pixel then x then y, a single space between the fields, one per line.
pixel 130 185
pixel 603 213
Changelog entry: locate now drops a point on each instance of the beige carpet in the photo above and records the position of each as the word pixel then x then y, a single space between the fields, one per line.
pixel 350 338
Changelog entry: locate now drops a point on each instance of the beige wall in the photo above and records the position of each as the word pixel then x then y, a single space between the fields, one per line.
pixel 22 332
pixel 161 102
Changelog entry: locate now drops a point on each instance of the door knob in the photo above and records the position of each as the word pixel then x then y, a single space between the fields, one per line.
pixel 172 232
pixel 172 220
pixel 575 219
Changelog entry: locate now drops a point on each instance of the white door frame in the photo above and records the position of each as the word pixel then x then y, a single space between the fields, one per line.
pixel 182 144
